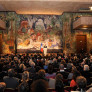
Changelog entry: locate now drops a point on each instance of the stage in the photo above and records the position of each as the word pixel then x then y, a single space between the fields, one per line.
pixel 38 51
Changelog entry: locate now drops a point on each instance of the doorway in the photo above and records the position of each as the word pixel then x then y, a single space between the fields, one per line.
pixel 81 43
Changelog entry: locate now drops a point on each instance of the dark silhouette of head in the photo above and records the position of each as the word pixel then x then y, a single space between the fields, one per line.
pixel 39 86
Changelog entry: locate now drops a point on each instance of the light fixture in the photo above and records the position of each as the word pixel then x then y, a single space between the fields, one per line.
pixel 85 26
pixel 90 8
pixel 39 13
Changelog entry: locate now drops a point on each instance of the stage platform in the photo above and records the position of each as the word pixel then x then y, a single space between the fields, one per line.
pixel 38 51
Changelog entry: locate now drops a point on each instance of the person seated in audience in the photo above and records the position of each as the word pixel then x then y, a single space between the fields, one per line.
pixel 73 83
pixel 55 63
pixel 81 65
pixel 25 78
pixel 81 83
pixel 40 75
pixel 63 72
pixel 39 62
pixel 86 73
pixel 39 85
pixel 50 73
pixel 21 69
pixel 31 69
pixel 59 86
pixel 10 80
pixel 12 64
pixel 2 86
pixel 69 69
pixel 46 65
pixel 23 87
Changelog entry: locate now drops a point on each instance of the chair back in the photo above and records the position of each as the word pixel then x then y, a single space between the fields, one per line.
pixel 51 90
pixel 10 90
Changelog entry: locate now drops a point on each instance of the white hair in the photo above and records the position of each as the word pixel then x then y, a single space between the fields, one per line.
pixel 86 68
pixel 32 64
pixel 30 61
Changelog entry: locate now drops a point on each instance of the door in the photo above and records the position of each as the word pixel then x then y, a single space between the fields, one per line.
pixel 81 44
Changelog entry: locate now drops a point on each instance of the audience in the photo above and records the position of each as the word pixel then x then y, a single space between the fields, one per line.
pixel 55 71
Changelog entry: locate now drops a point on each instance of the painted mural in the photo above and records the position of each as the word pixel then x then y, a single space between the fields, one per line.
pixel 27 32
pixel 36 29
pixel 8 34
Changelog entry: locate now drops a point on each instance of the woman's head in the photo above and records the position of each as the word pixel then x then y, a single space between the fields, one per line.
pixel 41 72
pixel 50 68
pixel 81 82
pixel 25 76
pixel 59 87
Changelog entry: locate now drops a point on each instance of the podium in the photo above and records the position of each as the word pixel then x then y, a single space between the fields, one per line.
pixel 45 50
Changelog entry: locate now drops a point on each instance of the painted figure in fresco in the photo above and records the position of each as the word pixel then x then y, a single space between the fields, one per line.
pixel 23 28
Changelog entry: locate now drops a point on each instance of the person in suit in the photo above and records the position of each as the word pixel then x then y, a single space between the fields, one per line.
pixel 63 72
pixel 45 50
pixel 11 82
pixel 86 73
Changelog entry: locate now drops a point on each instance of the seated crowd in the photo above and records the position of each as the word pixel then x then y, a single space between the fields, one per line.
pixel 51 73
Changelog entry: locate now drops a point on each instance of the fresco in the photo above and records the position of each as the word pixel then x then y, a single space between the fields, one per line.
pixel 27 32
pixel 36 29
pixel 69 35
pixel 8 33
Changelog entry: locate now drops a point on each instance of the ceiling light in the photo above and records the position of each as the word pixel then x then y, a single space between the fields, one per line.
pixel 90 8
pixel 85 26
pixel 35 12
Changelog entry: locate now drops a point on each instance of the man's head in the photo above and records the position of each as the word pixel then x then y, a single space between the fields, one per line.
pixel 86 68
pixel 10 72
pixel 61 67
